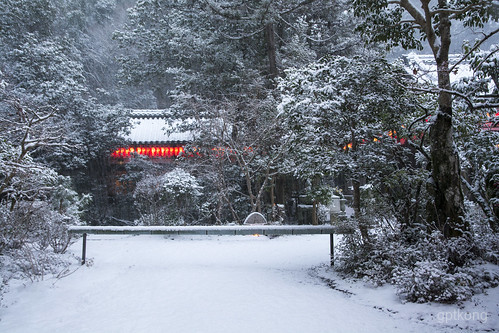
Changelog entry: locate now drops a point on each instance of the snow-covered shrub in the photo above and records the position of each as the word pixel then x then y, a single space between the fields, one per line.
pixel 37 204
pixel 29 245
pixel 436 281
pixel 11 233
pixel 489 247
pixel 149 200
pixel 375 262
pixel 169 199
pixel 429 281
pixel 36 223
pixel 424 267
pixel 52 228
pixel 31 262
pixel 35 211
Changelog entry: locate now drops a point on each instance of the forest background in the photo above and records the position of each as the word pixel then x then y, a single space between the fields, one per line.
pixel 306 82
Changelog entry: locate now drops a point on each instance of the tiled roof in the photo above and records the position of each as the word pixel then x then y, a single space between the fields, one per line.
pixel 148 113
pixel 150 126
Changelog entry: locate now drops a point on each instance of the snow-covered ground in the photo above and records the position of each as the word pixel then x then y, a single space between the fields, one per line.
pixel 222 284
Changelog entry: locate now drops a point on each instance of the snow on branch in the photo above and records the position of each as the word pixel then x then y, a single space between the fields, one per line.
pixel 473 49
pixel 436 90
pixel 413 11
pixel 248 35
pixel 454 12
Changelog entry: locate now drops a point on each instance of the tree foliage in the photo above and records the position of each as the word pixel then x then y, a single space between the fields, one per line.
pixel 344 115
pixel 410 25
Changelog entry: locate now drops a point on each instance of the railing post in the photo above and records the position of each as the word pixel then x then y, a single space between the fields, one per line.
pixel 84 249
pixel 331 246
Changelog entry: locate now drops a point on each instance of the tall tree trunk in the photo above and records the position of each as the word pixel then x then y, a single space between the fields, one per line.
pixel 363 227
pixel 271 49
pixel 315 220
pixel 356 211
pixel 272 191
pixel 492 191
pixel 258 200
pixel 447 210
pixel 315 203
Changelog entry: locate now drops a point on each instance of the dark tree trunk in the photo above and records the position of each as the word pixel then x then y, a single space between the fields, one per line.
pixel 492 191
pixel 447 210
pixel 315 220
pixel 271 49
pixel 356 210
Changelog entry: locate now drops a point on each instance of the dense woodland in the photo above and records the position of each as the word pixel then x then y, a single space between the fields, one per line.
pixel 305 83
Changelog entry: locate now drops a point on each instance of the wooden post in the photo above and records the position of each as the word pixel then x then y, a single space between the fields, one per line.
pixel 331 246
pixel 84 249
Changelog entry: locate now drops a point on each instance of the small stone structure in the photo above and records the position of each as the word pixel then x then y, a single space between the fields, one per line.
pixel 255 218
pixel 336 210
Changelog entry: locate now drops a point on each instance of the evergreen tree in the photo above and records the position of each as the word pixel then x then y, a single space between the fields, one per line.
pixel 337 109
pixel 409 25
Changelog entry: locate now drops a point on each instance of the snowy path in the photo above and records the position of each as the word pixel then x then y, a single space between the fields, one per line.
pixel 197 284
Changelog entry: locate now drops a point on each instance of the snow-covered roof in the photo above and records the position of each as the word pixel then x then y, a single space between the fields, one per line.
pixel 424 67
pixel 148 113
pixel 151 127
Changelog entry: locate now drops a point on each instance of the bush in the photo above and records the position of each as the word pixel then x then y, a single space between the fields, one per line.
pixel 429 281
pixel 431 269
pixel 168 199
pixel 34 228
pixel 435 281
pixel 30 262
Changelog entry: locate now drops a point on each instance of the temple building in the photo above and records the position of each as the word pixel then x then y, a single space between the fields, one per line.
pixel 151 135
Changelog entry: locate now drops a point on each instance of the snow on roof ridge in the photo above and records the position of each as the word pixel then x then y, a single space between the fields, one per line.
pixel 151 126
pixel 148 113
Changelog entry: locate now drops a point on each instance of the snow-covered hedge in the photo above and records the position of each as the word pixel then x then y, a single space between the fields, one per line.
pixel 34 217
pixel 431 269
pixel 168 199
pixel 436 281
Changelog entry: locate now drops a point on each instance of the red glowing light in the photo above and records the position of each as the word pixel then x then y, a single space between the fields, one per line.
pixel 151 151
pixel 172 151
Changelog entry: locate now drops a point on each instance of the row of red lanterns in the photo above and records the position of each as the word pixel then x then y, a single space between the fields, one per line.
pixel 167 151
pixel 155 151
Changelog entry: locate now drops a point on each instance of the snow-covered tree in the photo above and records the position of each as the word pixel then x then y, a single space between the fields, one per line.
pixel 38 203
pixel 476 139
pixel 170 198
pixel 337 109
pixel 410 24
pixel 58 56
pixel 214 49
